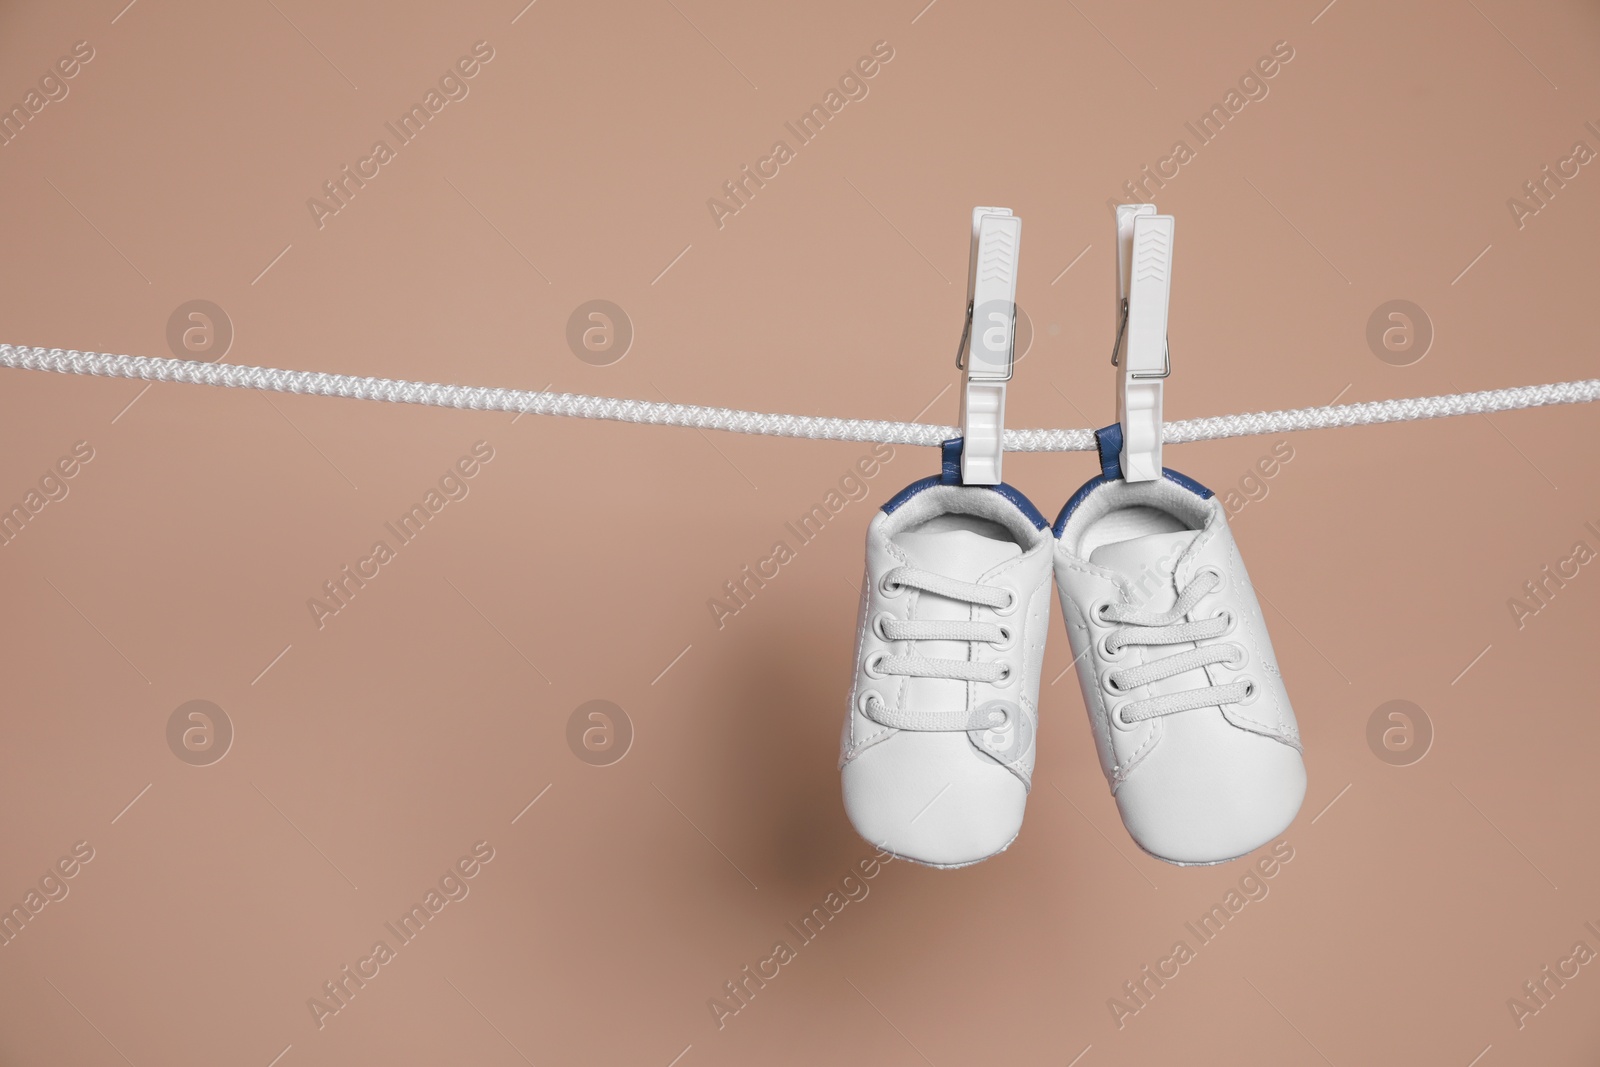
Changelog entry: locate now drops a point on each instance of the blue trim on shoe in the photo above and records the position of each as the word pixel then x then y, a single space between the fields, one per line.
pixel 950 474
pixel 950 462
pixel 1077 498
pixel 1109 443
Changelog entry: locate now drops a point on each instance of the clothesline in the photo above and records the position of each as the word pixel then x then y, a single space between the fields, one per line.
pixel 577 405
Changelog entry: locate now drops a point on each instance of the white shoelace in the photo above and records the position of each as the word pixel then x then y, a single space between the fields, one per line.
pixel 944 630
pixel 1169 628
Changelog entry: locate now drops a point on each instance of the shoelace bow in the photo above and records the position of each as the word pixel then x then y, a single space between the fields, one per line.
pixel 1169 628
pixel 944 630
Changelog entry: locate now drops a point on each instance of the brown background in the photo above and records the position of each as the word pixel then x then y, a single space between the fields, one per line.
pixel 427 714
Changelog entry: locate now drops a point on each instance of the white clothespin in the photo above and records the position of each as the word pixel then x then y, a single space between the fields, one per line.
pixel 988 342
pixel 1144 287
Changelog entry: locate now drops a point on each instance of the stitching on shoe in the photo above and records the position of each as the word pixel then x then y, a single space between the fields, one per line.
pixel 859 745
pixel 1030 707
pixel 1139 753
pixel 861 645
pixel 1119 769
pixel 914 595
pixel 1191 556
pixel 1279 729
pixel 1073 564
pixel 1231 567
pixel 1234 714
pixel 1261 643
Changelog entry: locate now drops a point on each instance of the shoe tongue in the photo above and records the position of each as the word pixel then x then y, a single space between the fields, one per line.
pixel 959 554
pixel 1148 563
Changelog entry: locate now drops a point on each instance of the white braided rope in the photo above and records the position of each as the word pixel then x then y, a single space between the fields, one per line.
pixel 575 405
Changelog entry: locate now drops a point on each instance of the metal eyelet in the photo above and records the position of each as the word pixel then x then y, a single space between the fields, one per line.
pixel 1098 613
pixel 1251 692
pixel 1008 639
pixel 1010 606
pixel 1110 686
pixel 1120 722
pixel 1233 622
pixel 866 700
pixel 1006 678
pixel 889 589
pixel 1105 649
pixel 872 666
pixel 1221 580
pixel 877 624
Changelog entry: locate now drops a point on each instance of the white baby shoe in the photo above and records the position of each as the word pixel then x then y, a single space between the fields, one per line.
pixel 1193 724
pixel 938 743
